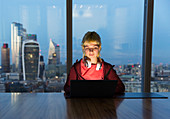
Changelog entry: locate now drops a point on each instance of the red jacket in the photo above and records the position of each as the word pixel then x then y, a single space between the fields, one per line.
pixel 111 75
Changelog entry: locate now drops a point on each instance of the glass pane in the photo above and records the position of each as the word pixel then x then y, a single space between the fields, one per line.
pixel 33 45
pixel 120 26
pixel 160 56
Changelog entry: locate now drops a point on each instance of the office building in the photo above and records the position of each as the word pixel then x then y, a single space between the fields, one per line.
pixel 18 35
pixel 54 53
pixel 31 58
pixel 58 54
pixel 12 76
pixel 42 67
pixel 31 37
pixel 5 58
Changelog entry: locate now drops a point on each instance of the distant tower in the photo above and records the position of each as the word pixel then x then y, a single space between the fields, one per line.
pixel 5 58
pixel 54 53
pixel 42 67
pixel 31 37
pixel 18 34
pixel 54 59
pixel 31 58
pixel 58 53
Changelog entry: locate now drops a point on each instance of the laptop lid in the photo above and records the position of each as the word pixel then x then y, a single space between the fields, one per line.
pixel 92 88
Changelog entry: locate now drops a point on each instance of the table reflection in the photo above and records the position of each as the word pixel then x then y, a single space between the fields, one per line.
pixel 92 108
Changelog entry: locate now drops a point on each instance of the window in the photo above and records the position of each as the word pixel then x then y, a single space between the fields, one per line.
pixel 118 22
pixel 42 21
pixel 160 54
pixel 120 25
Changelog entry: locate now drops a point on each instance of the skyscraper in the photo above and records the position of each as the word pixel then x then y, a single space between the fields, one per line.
pixel 5 58
pixel 18 34
pixel 54 53
pixel 31 37
pixel 42 67
pixel 30 58
pixel 58 54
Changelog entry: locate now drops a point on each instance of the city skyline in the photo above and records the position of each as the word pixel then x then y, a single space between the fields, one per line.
pixel 18 37
pixel 123 36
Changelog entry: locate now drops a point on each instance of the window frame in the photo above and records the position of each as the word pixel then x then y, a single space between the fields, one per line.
pixel 147 41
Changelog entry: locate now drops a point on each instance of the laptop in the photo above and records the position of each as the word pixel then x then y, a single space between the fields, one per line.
pixel 92 88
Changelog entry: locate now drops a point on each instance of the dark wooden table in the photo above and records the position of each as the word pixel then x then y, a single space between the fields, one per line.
pixel 56 106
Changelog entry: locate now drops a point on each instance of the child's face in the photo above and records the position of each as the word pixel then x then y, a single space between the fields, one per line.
pixel 91 49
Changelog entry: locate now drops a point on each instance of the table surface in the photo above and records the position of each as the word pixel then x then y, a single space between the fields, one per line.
pixel 56 106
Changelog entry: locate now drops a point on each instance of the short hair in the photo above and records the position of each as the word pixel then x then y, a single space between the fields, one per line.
pixel 91 36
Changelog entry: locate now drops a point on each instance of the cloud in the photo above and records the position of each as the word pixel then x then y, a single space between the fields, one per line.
pixel 87 14
pixel 82 13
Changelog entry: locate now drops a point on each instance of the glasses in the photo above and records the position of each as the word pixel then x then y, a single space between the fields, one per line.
pixel 95 49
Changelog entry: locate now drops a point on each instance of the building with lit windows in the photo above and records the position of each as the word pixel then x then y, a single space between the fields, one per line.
pixel 31 59
pixel 54 53
pixel 5 58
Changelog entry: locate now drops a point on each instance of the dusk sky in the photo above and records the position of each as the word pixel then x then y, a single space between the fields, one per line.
pixel 118 22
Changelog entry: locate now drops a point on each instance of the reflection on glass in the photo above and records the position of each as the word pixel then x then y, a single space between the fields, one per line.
pixel 160 56
pixel 32 68
pixel 120 25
